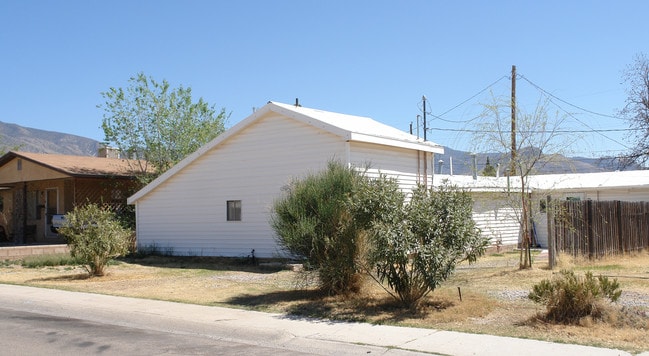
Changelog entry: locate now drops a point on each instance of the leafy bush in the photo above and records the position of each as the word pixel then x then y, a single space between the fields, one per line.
pixel 569 298
pixel 415 245
pixel 312 221
pixel 95 236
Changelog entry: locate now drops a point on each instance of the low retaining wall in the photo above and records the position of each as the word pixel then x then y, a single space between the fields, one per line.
pixel 18 252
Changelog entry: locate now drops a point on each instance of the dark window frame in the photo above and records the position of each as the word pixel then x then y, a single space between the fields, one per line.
pixel 233 210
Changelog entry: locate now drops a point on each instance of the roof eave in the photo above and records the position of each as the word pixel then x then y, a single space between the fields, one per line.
pixel 419 146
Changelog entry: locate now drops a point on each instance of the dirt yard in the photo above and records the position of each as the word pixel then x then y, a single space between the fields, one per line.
pixel 488 297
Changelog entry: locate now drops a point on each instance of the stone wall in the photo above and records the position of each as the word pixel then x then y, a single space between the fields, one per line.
pixel 18 252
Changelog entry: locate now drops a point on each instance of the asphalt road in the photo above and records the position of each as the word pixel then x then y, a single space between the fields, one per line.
pixel 25 333
pixel 49 322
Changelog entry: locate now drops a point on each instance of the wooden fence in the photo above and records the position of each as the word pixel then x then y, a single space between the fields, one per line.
pixel 600 228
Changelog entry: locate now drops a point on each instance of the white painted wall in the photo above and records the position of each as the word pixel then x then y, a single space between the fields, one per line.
pixel 497 219
pixel 398 163
pixel 186 215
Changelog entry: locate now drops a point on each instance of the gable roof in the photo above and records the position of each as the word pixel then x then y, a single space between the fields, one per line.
pixel 76 166
pixel 354 128
pixel 348 127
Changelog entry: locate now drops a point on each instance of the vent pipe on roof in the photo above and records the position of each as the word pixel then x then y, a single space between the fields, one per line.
pixel 474 165
pixel 450 165
pixel 297 103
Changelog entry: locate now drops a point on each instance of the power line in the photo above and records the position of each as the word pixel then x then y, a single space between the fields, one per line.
pixel 600 132
pixel 439 117
pixel 552 99
pixel 531 131
pixel 565 102
pixel 465 101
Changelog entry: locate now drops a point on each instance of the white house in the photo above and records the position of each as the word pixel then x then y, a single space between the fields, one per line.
pixel 495 205
pixel 497 200
pixel 602 186
pixel 217 201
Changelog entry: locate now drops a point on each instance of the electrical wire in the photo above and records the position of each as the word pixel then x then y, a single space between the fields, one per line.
pixel 551 98
pixel 439 117
pixel 565 102
pixel 465 101
pixel 530 131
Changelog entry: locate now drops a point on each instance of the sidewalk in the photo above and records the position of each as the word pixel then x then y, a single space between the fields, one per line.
pixel 284 330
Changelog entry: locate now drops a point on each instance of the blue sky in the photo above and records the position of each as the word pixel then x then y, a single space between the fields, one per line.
pixel 367 58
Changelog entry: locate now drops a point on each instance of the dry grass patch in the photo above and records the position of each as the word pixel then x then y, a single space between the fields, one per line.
pixel 494 295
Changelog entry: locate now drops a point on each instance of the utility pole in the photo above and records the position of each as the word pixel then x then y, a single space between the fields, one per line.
pixel 424 99
pixel 425 155
pixel 512 164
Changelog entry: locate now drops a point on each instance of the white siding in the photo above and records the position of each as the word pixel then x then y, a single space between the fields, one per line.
pixel 619 194
pixel 186 215
pixel 541 229
pixel 394 162
pixel 497 219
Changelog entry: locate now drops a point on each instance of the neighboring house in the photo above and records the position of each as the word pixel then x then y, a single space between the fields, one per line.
pixel 605 186
pixel 497 206
pixel 34 187
pixel 217 201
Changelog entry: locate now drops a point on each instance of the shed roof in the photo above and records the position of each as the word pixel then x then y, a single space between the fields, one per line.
pixel 76 166
pixel 553 182
pixel 348 127
pixel 599 180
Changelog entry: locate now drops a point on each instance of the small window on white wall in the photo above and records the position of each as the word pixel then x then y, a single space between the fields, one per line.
pixel 234 210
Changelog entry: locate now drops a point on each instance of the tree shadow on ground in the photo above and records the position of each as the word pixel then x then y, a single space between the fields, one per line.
pixel 312 304
pixel 69 277
pixel 240 264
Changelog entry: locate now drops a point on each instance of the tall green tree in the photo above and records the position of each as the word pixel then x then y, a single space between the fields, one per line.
pixel 157 125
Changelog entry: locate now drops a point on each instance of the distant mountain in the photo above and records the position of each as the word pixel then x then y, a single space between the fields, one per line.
pixel 15 137
pixel 19 138
pixel 462 163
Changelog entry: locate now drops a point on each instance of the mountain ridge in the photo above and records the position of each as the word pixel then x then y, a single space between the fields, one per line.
pixel 20 138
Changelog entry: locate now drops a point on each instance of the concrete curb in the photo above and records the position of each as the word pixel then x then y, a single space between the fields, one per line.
pixel 280 329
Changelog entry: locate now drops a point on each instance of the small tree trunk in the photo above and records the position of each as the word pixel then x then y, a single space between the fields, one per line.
pixel 526 245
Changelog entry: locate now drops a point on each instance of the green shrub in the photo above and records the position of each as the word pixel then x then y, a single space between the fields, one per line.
pixel 94 237
pixel 569 298
pixel 416 244
pixel 312 221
